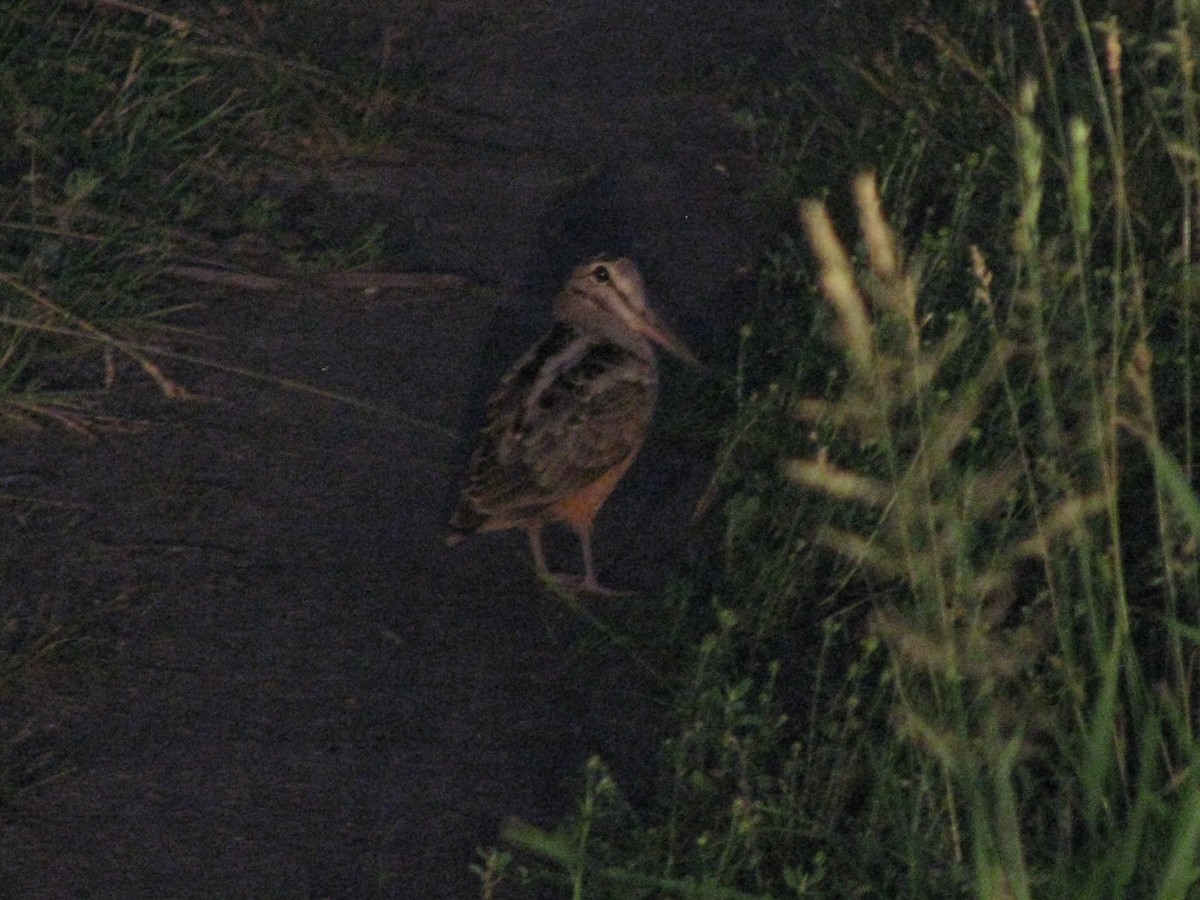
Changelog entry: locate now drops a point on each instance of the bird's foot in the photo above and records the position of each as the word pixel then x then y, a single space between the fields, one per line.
pixel 577 584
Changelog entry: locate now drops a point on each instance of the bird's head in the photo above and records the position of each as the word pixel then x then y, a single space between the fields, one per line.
pixel 608 297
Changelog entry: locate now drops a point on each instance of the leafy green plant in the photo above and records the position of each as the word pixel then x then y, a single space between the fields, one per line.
pixel 138 136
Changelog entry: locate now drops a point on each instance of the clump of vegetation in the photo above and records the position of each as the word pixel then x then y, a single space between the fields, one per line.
pixel 137 138
pixel 954 644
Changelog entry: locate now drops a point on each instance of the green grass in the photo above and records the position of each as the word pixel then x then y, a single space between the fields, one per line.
pixel 953 647
pixel 137 140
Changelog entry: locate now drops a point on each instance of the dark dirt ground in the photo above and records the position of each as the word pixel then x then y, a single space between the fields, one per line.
pixel 295 689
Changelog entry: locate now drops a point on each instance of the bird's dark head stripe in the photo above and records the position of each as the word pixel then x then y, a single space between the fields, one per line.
pixel 602 275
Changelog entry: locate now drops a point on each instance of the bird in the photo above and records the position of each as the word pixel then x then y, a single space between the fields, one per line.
pixel 570 416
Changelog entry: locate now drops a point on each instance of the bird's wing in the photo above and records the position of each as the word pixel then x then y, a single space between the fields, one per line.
pixel 567 413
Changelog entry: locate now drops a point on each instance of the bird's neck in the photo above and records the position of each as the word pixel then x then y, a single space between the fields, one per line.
pixel 598 326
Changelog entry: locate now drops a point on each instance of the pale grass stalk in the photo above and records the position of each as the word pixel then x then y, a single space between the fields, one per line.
pixel 1189 163
pixel 837 483
pixel 838 285
pixel 857 412
pixel 862 552
pixel 881 247
pixel 87 330
pixel 945 639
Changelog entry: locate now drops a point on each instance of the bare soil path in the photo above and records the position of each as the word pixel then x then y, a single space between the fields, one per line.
pixel 296 690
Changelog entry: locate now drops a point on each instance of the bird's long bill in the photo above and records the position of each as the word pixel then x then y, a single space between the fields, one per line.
pixel 652 327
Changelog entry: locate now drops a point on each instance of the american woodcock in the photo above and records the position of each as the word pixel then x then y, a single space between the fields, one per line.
pixel 570 416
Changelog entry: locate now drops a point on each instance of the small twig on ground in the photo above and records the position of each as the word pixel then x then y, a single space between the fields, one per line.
pixel 435 282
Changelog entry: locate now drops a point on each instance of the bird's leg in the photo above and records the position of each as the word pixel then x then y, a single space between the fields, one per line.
pixel 535 545
pixel 589 570
pixel 590 583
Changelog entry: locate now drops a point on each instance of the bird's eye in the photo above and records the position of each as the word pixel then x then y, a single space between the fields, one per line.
pixel 600 273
